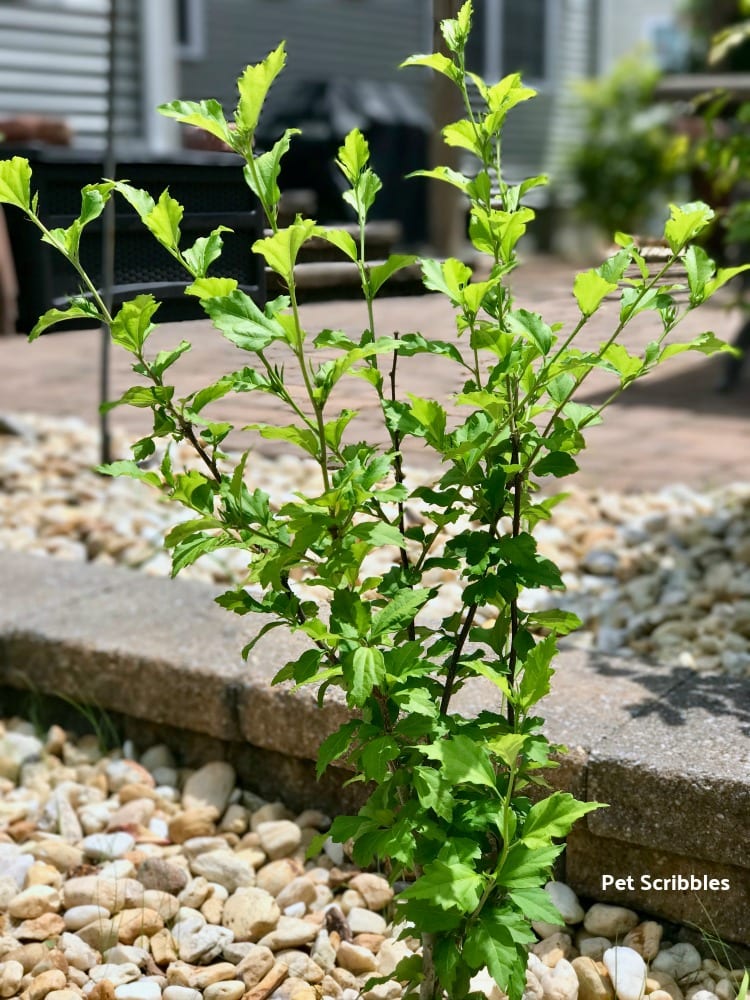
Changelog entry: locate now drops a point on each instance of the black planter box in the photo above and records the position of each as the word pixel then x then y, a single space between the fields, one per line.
pixel 212 190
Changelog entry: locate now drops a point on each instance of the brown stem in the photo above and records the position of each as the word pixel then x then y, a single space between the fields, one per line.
pixel 399 471
pixel 514 623
pixel 428 986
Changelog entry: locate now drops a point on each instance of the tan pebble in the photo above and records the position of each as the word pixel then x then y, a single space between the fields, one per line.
pixel 301 965
pixel 553 948
pixel 250 913
pixel 229 990
pixel 331 988
pixel 355 959
pixel 136 790
pixel 346 979
pixel 49 925
pixel 197 822
pixel 100 934
pixel 28 955
pixel 314 818
pixel 54 959
pixel 660 995
pixel 350 900
pixel 303 992
pixel 103 990
pixel 255 966
pixel 41 873
pixel 213 910
pixel 44 983
pixel 270 812
pixel 370 941
pixel 11 974
pixel 69 993
pixel 645 939
pixel 278 838
pixel 34 901
pixel 725 990
pixel 235 819
pixel 386 991
pixel 374 889
pixel 134 922
pixel 665 982
pixel 299 890
pixel 165 904
pixel 593 984
pixel 162 947
pixel 217 973
pixel 65 857
pixel 270 982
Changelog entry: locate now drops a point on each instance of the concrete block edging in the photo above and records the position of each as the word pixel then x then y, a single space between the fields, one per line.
pixel 669 750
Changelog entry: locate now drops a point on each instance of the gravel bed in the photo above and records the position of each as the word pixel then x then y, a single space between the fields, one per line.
pixel 660 575
pixel 126 877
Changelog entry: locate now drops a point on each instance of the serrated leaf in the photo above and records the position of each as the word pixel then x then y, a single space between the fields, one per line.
pixel 280 250
pixel 590 289
pixel 706 343
pixel 446 174
pixel 497 940
pixel 241 321
pixel 15 182
pixel 537 673
pixel 685 223
pixel 380 274
pixel 464 134
pixel 365 672
pixel 700 269
pixel 201 255
pixel 81 309
pixel 531 325
pixel 263 177
pixel 527 866
pixel 398 612
pixel 212 288
pixel 553 817
pixel 536 904
pixel 129 469
pixel 205 115
pixel 353 155
pixel 139 199
pixel 165 359
pixel 437 61
pixel 447 886
pixel 163 221
pixel 253 87
pixel 142 396
pixel 344 241
pixel 336 745
pixel 433 791
pixel 462 761
pixel 132 324
pixel 300 436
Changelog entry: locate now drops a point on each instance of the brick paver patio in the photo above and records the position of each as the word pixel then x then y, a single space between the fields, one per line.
pixel 673 427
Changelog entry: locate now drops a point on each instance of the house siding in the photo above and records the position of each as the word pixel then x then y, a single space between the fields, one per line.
pixel 54 61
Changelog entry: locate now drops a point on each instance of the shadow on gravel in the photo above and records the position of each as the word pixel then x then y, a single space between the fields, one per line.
pixel 672 695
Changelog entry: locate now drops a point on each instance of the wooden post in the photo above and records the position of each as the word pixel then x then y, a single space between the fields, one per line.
pixel 446 204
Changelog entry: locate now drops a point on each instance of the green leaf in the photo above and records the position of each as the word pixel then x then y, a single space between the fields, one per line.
pixel 462 761
pixel 139 199
pixel 508 747
pixel 590 289
pixel 464 134
pixel 559 622
pixel 446 174
pixel 79 309
pixel 211 288
pixel 201 255
pixel 398 612
pixel 553 817
pixel 15 182
pixel 556 463
pixel 700 269
pixel 537 673
pixel 165 359
pixel 300 436
pixel 526 866
pixel 280 250
pixel 132 323
pixel 499 940
pixel 531 325
pixel 724 275
pixel 536 904
pixel 705 343
pixel 163 221
pixel 343 240
pixel 438 62
pixel 253 87
pixel 241 321
pixel 447 886
pixel 263 177
pixel 205 115
pixel 380 274
pixel 131 470
pixel 685 223
pixel 365 671
pixel 433 791
pixel 336 745
pixel 142 396
pixel 354 155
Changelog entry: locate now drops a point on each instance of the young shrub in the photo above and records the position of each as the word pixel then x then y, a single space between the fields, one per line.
pixel 451 810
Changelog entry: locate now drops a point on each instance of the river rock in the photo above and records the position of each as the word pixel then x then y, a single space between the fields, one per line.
pixel 374 889
pixel 211 785
pixel 250 913
pixel 225 868
pixel 144 989
pixel 363 921
pixel 231 989
pixel 11 974
pixel 279 838
pixel 290 932
pixel 116 973
pixel 645 939
pixel 592 985
pixel 276 875
pixel 678 961
pixel 560 983
pixel 609 921
pixel 355 959
pixel 566 902
pixel 33 902
pixel 627 971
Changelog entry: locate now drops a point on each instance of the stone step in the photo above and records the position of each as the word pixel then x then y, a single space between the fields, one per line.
pixel 668 749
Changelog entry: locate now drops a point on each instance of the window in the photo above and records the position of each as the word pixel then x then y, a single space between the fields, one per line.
pixel 191 29
pixel 510 36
